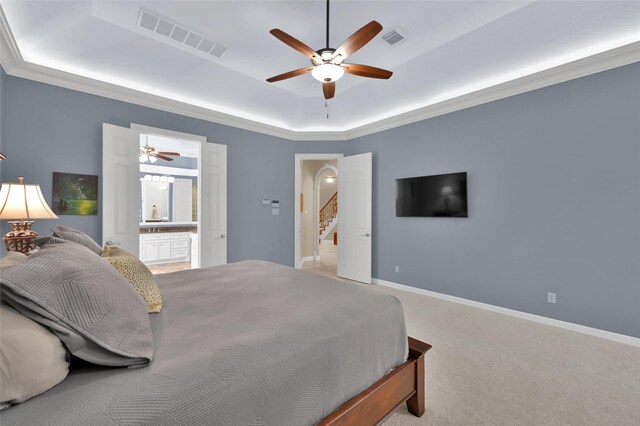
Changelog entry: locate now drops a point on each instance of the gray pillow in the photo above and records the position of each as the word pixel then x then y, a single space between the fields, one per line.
pixel 33 358
pixel 13 258
pixel 93 309
pixel 76 236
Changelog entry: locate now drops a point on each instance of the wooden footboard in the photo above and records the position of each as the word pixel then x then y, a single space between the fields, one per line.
pixel 404 383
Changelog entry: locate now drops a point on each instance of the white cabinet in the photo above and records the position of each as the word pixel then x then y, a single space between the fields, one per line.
pixel 164 250
pixel 150 250
pixel 164 247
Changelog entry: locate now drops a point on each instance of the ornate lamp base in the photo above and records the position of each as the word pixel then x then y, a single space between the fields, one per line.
pixel 21 238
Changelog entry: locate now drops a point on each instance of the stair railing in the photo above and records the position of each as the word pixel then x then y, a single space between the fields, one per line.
pixel 328 212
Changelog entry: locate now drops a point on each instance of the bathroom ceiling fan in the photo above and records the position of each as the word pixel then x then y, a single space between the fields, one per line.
pixel 149 153
pixel 327 63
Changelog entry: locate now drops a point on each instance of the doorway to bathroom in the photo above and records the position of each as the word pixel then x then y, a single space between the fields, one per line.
pixel 169 232
pixel 165 196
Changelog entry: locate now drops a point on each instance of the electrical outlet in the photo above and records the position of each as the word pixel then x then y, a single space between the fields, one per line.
pixel 397 269
pixel 551 297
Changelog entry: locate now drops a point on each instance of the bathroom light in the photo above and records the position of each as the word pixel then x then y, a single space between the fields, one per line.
pixel 327 73
pixel 147 178
pixel 155 178
pixel 172 179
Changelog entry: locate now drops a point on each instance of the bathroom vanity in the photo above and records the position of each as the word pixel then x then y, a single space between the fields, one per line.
pixel 165 242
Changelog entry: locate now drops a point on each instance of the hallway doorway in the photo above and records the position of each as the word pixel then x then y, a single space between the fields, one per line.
pixel 316 217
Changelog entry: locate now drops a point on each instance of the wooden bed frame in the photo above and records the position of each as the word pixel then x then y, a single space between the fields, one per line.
pixel 404 383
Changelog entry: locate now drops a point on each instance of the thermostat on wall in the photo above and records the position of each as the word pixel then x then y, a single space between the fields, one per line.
pixel 266 201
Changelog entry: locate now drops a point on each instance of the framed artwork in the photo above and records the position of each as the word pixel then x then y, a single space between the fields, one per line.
pixel 74 194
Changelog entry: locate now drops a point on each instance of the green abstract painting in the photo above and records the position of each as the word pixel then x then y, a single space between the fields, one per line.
pixel 75 194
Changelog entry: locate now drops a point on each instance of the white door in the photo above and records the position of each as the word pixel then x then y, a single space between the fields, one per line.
pixel 354 227
pixel 212 193
pixel 120 187
pixel 182 201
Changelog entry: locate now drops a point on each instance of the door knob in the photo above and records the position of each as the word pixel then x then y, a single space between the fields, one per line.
pixel 223 236
pixel 365 235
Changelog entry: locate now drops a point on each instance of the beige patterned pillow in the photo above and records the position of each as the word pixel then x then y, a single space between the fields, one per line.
pixel 138 275
pixel 115 251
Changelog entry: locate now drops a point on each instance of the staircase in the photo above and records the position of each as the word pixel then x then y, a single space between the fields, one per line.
pixel 328 216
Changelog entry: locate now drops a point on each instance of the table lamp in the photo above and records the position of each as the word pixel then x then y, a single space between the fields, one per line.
pixel 19 203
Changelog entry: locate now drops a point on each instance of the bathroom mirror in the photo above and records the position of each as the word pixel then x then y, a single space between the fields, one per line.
pixel 155 201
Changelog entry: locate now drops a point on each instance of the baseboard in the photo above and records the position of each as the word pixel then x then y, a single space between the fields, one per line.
pixel 308 259
pixel 620 338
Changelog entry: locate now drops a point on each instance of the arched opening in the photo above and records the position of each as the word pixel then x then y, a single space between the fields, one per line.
pixel 325 207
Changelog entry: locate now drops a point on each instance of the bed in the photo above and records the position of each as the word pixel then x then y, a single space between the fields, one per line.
pixel 251 343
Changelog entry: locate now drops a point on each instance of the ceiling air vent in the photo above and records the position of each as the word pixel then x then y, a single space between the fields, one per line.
pixel 395 36
pixel 189 40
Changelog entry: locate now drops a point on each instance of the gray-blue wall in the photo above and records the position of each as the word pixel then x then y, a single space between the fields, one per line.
pixel 554 202
pixel 48 128
pixel 554 190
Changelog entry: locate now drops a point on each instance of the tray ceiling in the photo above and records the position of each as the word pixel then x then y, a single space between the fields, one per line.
pixel 453 49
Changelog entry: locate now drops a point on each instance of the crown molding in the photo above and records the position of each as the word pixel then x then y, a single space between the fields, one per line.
pixel 13 63
pixel 604 61
pixel 10 55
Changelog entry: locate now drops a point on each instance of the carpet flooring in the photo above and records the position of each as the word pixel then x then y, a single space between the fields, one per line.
pixel 487 368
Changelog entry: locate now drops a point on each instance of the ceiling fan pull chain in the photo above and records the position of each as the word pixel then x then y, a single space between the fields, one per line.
pixel 326 106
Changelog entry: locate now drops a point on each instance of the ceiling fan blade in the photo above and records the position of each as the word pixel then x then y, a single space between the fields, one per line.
pixel 177 154
pixel 289 74
pixel 329 89
pixel 162 156
pixel 366 71
pixel 294 43
pixel 358 40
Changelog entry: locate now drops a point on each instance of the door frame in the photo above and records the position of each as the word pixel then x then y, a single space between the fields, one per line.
pixel 140 129
pixel 297 260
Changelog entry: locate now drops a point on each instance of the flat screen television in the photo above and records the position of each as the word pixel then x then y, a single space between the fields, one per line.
pixel 432 196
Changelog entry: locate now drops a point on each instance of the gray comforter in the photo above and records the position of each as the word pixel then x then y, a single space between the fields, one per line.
pixel 250 343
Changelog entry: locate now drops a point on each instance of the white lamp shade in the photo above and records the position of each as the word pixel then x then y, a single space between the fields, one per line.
pixel 327 73
pixel 19 201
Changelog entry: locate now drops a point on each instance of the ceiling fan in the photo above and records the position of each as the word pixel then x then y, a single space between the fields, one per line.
pixel 149 153
pixel 327 63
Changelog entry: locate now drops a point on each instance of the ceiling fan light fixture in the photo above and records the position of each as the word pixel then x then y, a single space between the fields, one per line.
pixel 144 158
pixel 152 159
pixel 327 73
